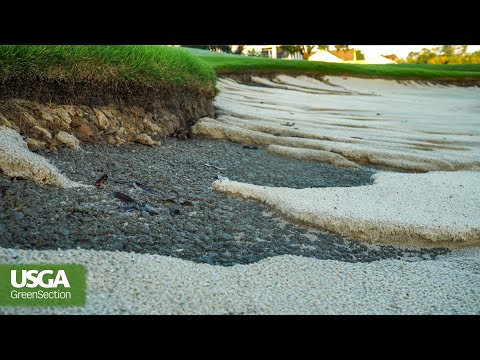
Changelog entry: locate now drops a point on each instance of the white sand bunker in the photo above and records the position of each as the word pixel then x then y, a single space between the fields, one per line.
pixel 367 121
pixel 16 160
pixel 312 155
pixel 428 210
pixel 128 283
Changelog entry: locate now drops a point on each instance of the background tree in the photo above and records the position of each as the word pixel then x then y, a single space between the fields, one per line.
pixel 421 57
pixel 444 54
pixel 447 50
pixel 411 57
pixel 452 50
pixel 341 47
pixel 253 52
pixel 292 49
pixel 224 48
pixel 462 50
pixel 305 50
pixel 323 47
pixel 239 49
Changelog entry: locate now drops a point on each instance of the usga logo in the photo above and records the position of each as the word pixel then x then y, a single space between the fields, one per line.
pixel 34 278
pixel 43 285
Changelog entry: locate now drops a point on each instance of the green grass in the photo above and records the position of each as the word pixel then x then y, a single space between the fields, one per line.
pixel 456 67
pixel 146 65
pixel 228 63
pixel 163 65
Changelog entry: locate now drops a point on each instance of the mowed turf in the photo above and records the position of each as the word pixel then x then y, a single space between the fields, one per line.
pixel 237 64
pixel 143 65
pixel 158 66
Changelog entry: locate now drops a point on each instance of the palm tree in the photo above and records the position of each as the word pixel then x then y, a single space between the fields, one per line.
pixel 292 49
pixel 307 51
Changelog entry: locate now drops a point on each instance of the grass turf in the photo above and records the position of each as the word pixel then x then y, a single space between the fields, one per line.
pixel 142 65
pixel 158 66
pixel 228 63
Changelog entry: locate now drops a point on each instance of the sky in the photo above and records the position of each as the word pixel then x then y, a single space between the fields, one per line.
pixel 400 50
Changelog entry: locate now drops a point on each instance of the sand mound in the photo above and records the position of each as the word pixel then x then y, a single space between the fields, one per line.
pixel 406 125
pixel 430 210
pixel 16 160
pixel 129 283
pixel 388 155
pixel 312 155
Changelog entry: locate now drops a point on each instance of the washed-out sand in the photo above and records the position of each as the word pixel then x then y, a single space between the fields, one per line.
pixel 128 283
pixel 350 122
pixel 16 160
pixel 312 155
pixel 418 127
pixel 403 125
pixel 428 210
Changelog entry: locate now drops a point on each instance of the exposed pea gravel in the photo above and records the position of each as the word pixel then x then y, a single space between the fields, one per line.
pixel 203 226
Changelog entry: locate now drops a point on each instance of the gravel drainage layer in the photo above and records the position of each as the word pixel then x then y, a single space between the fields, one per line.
pixel 176 213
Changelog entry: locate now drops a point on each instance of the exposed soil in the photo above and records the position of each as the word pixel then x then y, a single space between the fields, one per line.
pixel 110 113
pixel 97 94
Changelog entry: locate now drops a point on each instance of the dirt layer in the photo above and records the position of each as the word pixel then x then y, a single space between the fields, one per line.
pixel 111 113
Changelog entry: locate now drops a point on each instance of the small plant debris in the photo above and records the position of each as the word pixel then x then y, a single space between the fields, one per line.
pixel 101 183
pixel 123 197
